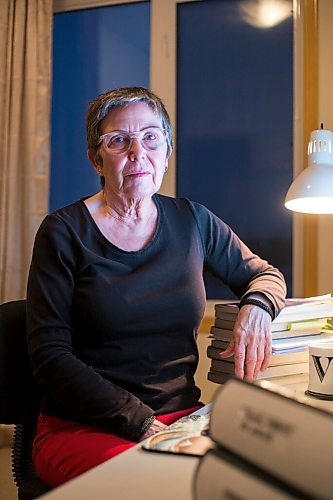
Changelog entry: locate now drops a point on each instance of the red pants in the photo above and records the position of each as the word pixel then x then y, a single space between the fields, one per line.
pixel 64 449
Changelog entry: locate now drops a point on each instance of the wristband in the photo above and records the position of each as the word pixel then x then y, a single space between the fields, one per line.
pixel 256 302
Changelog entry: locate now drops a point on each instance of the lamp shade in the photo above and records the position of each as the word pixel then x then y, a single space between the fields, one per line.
pixel 312 191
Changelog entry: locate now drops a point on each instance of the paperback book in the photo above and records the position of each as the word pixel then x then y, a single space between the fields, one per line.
pixel 294 310
pixel 226 324
pixel 284 346
pixel 187 436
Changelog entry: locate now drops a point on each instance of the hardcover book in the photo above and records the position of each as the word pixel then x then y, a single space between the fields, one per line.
pixel 227 324
pixel 295 309
pixel 273 430
pixel 300 356
pixel 222 475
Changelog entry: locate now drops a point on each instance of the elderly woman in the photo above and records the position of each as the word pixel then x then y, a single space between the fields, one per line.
pixel 116 295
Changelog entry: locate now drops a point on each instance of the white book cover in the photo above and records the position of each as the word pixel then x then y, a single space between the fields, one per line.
pixel 284 436
pixel 219 377
pixel 296 342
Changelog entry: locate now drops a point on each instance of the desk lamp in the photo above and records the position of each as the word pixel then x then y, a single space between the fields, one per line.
pixel 312 191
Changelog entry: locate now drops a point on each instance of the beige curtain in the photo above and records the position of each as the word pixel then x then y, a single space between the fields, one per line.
pixel 25 81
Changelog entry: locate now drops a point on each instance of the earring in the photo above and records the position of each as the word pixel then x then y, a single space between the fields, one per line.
pixel 166 168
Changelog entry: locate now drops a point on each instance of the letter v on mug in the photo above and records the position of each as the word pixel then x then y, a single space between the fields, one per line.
pixel 321 370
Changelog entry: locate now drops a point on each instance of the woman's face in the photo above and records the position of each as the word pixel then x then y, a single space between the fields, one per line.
pixel 137 172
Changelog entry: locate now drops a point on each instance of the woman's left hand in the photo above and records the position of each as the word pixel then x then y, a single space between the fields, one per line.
pixel 251 344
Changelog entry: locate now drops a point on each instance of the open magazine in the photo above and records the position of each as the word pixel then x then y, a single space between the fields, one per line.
pixel 187 436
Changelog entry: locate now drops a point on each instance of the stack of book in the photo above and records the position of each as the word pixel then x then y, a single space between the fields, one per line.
pixel 300 322
pixel 267 445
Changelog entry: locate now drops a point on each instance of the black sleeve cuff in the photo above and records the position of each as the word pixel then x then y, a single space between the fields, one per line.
pixel 258 303
pixel 145 426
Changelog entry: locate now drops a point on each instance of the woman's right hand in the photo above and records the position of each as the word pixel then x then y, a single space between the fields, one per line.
pixel 155 427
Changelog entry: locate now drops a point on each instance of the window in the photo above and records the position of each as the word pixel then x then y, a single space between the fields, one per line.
pixel 234 124
pixel 94 50
pixel 227 85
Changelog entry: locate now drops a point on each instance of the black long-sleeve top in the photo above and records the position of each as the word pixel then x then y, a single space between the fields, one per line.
pixel 112 333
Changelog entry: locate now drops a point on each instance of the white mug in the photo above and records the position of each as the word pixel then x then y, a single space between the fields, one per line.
pixel 321 370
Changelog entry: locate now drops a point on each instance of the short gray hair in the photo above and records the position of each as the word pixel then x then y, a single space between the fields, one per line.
pixel 123 96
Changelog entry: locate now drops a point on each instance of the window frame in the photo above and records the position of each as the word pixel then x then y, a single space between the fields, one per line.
pixel 163 81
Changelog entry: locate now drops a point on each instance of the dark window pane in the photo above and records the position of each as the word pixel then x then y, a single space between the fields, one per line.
pixel 235 125
pixel 94 50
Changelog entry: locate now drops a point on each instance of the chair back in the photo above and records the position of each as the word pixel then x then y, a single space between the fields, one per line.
pixel 19 393
pixel 19 398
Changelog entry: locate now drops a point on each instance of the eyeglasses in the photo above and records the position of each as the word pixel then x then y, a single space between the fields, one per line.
pixel 150 138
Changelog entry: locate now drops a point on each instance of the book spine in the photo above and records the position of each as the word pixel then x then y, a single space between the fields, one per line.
pixel 220 344
pixel 218 377
pixel 223 475
pixel 316 312
pixel 222 322
pixel 214 352
pixel 222 334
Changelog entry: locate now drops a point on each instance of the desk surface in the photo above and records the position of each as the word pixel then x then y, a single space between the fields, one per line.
pixel 133 475
pixel 139 475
